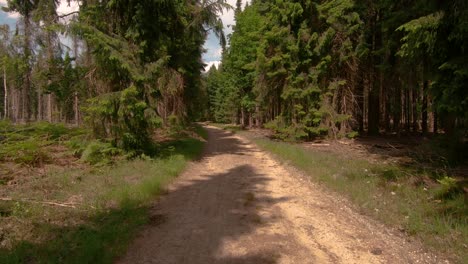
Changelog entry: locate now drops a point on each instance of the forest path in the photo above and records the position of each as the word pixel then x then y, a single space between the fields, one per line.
pixel 238 205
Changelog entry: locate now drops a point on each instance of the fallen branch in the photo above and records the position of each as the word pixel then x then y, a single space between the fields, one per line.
pixel 68 205
pixel 394 147
pixel 319 144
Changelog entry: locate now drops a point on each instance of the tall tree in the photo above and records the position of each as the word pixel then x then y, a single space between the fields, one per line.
pixel 25 8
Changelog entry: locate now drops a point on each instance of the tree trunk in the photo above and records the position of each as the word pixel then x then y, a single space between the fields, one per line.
pixel 407 110
pixel 39 105
pixel 242 121
pixel 374 84
pixel 5 99
pixel 26 114
pixel 397 109
pixel 424 107
pixel 373 115
pixel 258 122
pixel 414 110
pixel 15 105
pixel 360 104
pixel 49 107
pixel 77 113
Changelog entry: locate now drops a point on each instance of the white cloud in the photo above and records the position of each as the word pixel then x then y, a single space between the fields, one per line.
pixel 228 17
pixel 66 8
pixel 213 49
pixel 211 64
pixel 14 15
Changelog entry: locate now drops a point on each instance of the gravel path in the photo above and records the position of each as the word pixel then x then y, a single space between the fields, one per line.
pixel 238 205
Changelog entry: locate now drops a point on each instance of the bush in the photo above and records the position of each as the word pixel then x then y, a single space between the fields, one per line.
pixel 352 134
pixel 26 152
pixel 99 153
pixel 78 144
pixel 52 131
pixel 176 124
pixel 448 188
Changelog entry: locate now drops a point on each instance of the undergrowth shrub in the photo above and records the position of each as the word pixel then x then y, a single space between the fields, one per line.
pixel 51 131
pixel 176 124
pixel 448 188
pixel 28 152
pixel 98 152
pixel 78 144
pixel 295 132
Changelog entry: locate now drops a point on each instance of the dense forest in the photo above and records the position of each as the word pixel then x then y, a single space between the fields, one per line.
pixel 104 106
pixel 341 67
pixel 122 67
pixel 301 68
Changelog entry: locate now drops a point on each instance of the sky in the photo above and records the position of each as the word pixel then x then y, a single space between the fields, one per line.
pixel 213 54
pixel 213 49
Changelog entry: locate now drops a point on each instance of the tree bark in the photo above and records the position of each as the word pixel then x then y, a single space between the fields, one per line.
pixel 397 109
pixel 414 110
pixel 26 113
pixel 242 121
pixel 5 99
pixel 360 103
pixel 49 107
pixel 424 107
pixel 374 85
pixel 407 111
pixel 258 122
pixel 14 105
pixel 77 113
pixel 39 105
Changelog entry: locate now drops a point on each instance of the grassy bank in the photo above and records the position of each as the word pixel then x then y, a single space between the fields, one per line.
pixel 83 213
pixel 401 197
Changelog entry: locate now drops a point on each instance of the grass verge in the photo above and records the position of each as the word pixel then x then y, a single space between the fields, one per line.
pixel 96 210
pixel 393 194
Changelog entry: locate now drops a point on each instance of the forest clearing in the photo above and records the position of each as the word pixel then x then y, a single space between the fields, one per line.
pixel 325 131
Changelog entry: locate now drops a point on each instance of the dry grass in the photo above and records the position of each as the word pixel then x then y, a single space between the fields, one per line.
pixel 68 211
pixel 401 197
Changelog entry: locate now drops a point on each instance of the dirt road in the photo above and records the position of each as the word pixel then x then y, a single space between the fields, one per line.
pixel 238 205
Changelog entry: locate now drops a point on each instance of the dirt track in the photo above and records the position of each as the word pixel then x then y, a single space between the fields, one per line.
pixel 238 205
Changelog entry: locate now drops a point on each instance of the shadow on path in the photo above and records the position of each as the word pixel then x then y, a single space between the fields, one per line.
pixel 211 216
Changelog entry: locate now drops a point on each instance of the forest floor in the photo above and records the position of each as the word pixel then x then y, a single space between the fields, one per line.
pixel 67 198
pixel 238 204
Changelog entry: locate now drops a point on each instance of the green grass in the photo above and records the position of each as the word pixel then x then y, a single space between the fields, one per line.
pixel 389 193
pixel 112 203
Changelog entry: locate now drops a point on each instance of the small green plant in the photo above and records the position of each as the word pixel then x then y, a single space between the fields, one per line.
pixel 352 134
pixel 448 188
pixel 175 124
pixel 20 209
pixel 78 144
pixel 99 153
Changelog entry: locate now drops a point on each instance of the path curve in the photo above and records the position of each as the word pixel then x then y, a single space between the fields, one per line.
pixel 238 205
